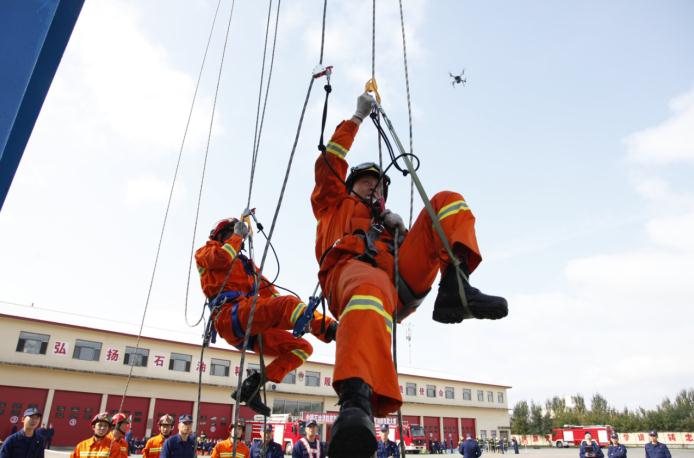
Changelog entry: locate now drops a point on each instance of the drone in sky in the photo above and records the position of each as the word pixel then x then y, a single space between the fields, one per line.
pixel 458 79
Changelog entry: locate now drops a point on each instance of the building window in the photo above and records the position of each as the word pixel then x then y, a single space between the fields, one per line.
pixel 490 396
pixel 493 432
pixel 467 394
pixel 290 378
pixel 87 350
pixel 220 367
pixel 483 434
pixel 253 367
pixel 179 362
pixel 480 395
pixel 450 393
pixel 136 356
pixel 312 378
pixel 431 391
pixel 33 343
pixel 500 397
pixel 294 407
pixel 411 389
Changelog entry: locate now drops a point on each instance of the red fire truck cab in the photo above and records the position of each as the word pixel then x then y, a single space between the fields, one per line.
pixel 569 435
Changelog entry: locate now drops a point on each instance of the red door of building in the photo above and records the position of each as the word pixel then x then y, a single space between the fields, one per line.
pixel 468 426
pixel 14 401
pixel 171 407
pixel 215 419
pixel 412 419
pixel 450 431
pixel 71 415
pixel 136 407
pixel 431 428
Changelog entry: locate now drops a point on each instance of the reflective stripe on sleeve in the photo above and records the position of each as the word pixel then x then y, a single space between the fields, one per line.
pixel 452 209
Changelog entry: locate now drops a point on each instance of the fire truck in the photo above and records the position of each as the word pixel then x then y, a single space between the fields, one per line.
pixel 288 429
pixel 569 435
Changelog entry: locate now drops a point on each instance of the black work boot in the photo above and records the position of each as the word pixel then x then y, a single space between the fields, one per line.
pixel 352 434
pixel 448 307
pixel 249 387
pixel 257 405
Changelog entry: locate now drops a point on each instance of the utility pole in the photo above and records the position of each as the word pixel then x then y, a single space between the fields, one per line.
pixel 408 337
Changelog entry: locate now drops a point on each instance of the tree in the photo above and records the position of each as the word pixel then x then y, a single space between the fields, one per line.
pixel 520 419
pixel 536 423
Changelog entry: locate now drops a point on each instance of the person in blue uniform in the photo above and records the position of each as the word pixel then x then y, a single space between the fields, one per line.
pixel 386 447
pixel 272 448
pixel 514 444
pixel 181 445
pixel 309 446
pixel 590 448
pixel 615 449
pixel 655 449
pixel 25 443
pixel 469 448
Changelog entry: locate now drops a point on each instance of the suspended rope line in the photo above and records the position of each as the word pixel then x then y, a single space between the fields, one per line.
pixel 204 164
pixel 395 332
pixel 249 324
pixel 168 206
pixel 259 124
pixel 373 70
pixel 409 105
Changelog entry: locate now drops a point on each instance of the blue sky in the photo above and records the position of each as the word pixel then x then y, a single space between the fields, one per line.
pixel 573 143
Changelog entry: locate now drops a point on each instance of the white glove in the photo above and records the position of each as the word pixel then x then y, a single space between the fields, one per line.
pixel 393 221
pixel 240 228
pixel 365 104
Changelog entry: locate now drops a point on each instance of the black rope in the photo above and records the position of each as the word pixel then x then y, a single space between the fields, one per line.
pixel 396 269
pixel 409 104
pixel 373 69
pixel 168 207
pixel 259 128
pixel 207 150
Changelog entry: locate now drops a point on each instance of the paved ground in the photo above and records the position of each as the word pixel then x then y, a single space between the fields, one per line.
pixel 525 453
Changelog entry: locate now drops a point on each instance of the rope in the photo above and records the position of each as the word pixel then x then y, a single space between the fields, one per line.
pixel 259 129
pixel 409 104
pixel 204 165
pixel 249 324
pixel 395 332
pixel 168 207
pixel 373 71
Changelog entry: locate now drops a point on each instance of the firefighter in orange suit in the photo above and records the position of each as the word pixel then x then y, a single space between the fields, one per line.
pixel 120 424
pixel 231 296
pixel 354 247
pixel 153 445
pixel 225 448
pixel 99 445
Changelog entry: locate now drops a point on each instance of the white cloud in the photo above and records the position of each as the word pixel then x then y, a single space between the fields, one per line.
pixel 669 142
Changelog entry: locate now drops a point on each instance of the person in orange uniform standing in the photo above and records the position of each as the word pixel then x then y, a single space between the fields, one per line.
pixel 153 445
pixel 231 295
pixel 99 445
pixel 224 449
pixel 120 424
pixel 354 248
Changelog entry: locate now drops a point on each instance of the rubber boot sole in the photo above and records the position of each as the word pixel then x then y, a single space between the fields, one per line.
pixel 352 435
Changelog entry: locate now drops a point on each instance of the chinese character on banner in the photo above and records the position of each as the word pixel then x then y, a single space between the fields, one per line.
pixel 159 361
pixel 440 393
pixel 641 437
pixel 688 437
pixel 535 438
pixel 201 366
pixel 112 355
pixel 327 381
pixel 401 388
pixel 671 437
pixel 236 370
pixel 60 348
pixel 626 437
pixel 421 391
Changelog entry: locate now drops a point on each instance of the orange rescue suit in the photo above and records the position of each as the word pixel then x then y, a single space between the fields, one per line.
pixel 119 447
pixel 94 448
pixel 361 295
pixel 153 446
pixel 224 449
pixel 273 313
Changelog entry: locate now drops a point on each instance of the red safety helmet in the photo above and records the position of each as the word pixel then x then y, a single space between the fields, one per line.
pixel 103 416
pixel 368 168
pixel 166 420
pixel 225 225
pixel 119 418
